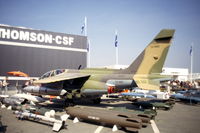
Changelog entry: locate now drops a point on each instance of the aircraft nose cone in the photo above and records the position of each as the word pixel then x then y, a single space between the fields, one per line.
pixel 27 89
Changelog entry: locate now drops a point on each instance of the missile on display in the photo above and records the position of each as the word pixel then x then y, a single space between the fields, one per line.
pixel 12 101
pixel 152 105
pixel 35 99
pixel 170 102
pixel 20 99
pixel 57 124
pixel 136 95
pixel 105 117
pixel 38 90
pixel 40 110
pixel 191 96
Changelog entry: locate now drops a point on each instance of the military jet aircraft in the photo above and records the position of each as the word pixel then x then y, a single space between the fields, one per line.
pixel 144 73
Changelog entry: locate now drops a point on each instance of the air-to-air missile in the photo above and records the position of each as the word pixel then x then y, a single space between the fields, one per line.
pixel 57 124
pixel 31 112
pixel 32 109
pixel 40 110
pixel 136 95
pixel 106 117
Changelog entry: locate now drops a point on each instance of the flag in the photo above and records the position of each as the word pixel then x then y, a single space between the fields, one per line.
pixel 116 41
pixel 82 28
pixel 191 50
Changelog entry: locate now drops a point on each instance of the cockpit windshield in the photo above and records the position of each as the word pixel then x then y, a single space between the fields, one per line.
pixel 58 71
pixel 52 73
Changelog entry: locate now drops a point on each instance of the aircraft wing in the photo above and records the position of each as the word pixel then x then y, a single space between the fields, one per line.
pixel 61 77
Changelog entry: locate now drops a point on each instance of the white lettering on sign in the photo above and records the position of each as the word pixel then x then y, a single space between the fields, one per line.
pixel 71 40
pixel 48 38
pixel 40 37
pixel 58 40
pixel 14 34
pixel 24 35
pixel 35 37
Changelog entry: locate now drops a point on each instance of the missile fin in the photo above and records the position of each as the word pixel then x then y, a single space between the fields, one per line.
pixel 64 117
pixel 9 108
pixel 114 129
pixel 3 106
pixel 57 126
pixel 75 120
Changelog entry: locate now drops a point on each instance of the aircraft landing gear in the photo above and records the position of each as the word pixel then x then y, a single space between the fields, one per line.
pixel 69 102
pixel 97 100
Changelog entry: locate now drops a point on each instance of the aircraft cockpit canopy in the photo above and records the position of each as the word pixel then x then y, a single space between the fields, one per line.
pixel 52 73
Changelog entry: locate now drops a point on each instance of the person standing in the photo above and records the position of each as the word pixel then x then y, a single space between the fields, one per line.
pixel 1 85
pixel 5 85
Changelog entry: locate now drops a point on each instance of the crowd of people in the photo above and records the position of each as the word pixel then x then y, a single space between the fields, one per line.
pixel 184 85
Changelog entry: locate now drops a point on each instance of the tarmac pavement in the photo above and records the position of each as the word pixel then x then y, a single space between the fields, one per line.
pixel 181 118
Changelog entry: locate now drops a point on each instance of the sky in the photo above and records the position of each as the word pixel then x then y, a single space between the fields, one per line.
pixel 137 23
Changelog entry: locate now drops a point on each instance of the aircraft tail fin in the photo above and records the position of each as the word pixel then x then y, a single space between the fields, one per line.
pixel 152 59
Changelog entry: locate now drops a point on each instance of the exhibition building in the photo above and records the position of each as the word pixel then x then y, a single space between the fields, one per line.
pixel 37 51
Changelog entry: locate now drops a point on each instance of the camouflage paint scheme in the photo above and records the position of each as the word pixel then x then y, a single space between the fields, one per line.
pixel 144 72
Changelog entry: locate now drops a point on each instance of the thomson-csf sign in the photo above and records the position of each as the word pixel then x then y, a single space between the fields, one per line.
pixel 35 37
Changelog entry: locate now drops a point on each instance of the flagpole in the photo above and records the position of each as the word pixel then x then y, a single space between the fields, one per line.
pixel 88 43
pixel 85 24
pixel 88 53
pixel 116 48
pixel 191 63
pixel 116 56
